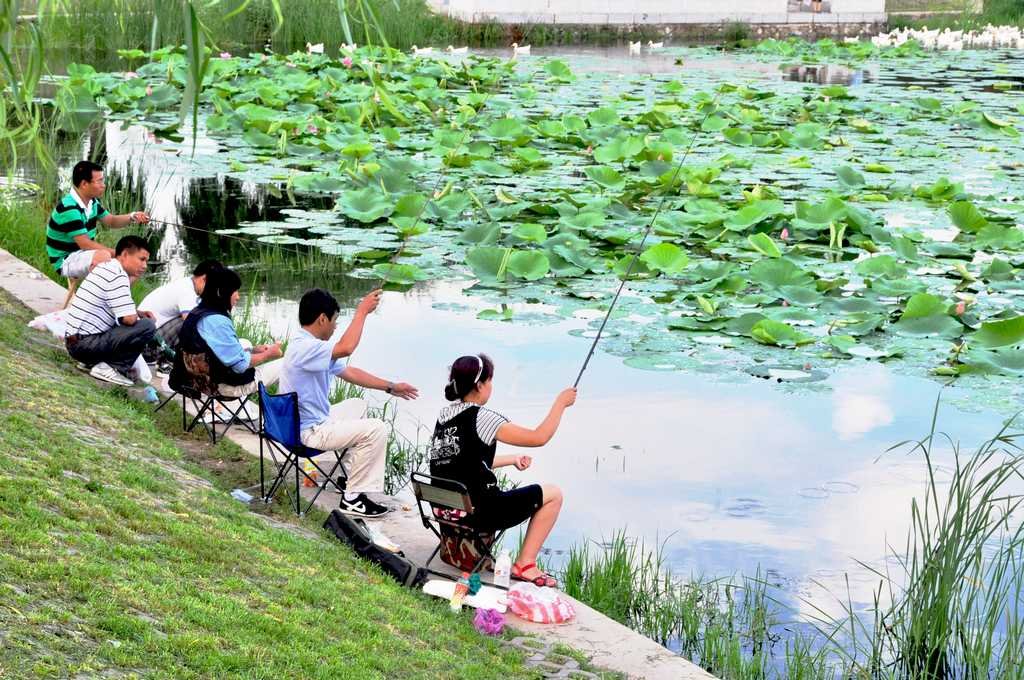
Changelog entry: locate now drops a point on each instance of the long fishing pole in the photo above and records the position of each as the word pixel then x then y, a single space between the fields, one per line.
pixel 647 232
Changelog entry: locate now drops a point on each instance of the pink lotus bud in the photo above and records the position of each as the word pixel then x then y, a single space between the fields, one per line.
pixel 785 234
pixel 347 62
pixel 225 55
pixel 961 307
pixel 785 303
pixel 149 90
pixel 131 74
pixel 589 150
pixel 807 366
pixel 661 157
pixel 312 129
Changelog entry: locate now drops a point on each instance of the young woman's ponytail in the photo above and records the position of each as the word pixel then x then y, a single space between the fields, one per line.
pixel 466 373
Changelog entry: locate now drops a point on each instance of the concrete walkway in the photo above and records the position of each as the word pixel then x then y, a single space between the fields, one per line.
pixel 609 644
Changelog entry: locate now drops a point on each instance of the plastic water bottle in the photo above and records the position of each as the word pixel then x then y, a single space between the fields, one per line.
pixel 310 470
pixel 503 570
pixel 459 594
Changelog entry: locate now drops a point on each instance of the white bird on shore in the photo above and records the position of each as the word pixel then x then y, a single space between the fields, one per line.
pixel 634 47
pixel 418 51
pixel 345 47
pixel 954 41
pixel 651 45
pixel 315 49
pixel 520 49
pixel 457 50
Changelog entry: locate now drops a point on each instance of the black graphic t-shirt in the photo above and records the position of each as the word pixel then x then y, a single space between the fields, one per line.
pixel 463 447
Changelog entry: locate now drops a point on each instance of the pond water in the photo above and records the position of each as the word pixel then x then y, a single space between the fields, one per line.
pixel 731 473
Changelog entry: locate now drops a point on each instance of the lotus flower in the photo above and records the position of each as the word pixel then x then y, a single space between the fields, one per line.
pixel 489 621
pixel 961 307
pixel 225 55
pixel 312 129
pixel 131 74
pixel 589 150
pixel 149 90
pixel 785 234
pixel 347 62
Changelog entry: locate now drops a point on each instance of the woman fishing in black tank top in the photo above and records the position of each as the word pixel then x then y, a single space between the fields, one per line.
pixel 463 448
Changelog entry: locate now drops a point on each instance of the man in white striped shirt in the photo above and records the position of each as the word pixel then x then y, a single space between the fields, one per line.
pixel 105 331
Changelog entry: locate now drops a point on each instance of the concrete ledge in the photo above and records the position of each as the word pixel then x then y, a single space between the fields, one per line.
pixel 609 644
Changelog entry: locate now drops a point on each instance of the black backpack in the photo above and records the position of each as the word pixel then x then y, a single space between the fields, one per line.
pixel 353 533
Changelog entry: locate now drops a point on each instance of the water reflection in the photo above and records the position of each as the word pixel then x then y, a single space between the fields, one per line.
pixel 828 74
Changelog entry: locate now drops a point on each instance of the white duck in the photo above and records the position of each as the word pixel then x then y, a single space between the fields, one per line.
pixel 315 49
pixel 518 49
pixel 457 50
pixel 421 51
pixel 651 45
pixel 634 47
pixel 346 47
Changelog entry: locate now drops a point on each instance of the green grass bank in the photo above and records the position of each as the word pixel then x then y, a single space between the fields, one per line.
pixel 120 557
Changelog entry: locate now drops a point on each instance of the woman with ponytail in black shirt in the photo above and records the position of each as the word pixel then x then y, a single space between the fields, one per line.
pixel 463 449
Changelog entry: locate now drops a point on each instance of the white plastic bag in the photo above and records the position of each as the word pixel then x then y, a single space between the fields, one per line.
pixel 541 605
pixel 55 322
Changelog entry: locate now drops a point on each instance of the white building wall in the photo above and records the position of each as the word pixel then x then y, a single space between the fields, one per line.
pixel 656 11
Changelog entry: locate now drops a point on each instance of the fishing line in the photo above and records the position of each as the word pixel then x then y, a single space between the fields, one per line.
pixel 243 239
pixel 640 248
pixel 432 196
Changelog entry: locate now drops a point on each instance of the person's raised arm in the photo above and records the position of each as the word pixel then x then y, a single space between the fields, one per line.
pixel 122 221
pixel 517 435
pixel 358 376
pixel 349 340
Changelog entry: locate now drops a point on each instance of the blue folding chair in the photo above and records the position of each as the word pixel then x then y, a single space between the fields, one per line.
pixel 279 436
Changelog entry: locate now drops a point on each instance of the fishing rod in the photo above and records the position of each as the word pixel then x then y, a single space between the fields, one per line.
pixel 647 232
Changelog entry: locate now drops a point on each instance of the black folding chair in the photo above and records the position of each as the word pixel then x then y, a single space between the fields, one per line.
pixel 445 507
pixel 199 392
pixel 279 436
pixel 205 405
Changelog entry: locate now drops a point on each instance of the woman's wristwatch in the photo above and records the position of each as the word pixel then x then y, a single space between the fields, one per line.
pixel 390 387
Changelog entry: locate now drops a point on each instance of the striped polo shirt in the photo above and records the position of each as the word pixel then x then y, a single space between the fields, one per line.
pixel 102 298
pixel 69 219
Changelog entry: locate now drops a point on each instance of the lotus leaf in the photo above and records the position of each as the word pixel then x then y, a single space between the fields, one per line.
pixel 666 258
pixel 881 266
pixel 403 274
pixel 967 217
pixel 528 264
pixel 606 177
pixel 763 244
pixel 771 332
pixel 365 205
pixel 1000 333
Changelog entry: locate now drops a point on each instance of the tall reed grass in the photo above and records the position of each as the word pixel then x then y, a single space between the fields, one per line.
pixel 951 609
pixel 109 25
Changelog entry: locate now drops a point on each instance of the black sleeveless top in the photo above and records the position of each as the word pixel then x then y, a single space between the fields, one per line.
pixel 458 453
pixel 191 342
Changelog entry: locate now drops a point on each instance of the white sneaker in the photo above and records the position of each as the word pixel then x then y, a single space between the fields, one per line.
pixel 249 412
pixel 106 372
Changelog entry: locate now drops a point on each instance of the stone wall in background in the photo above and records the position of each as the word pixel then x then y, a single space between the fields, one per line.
pixel 662 12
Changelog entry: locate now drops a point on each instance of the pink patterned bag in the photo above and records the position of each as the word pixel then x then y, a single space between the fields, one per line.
pixel 540 605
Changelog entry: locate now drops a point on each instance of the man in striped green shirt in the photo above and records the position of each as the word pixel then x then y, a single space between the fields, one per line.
pixel 71 233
